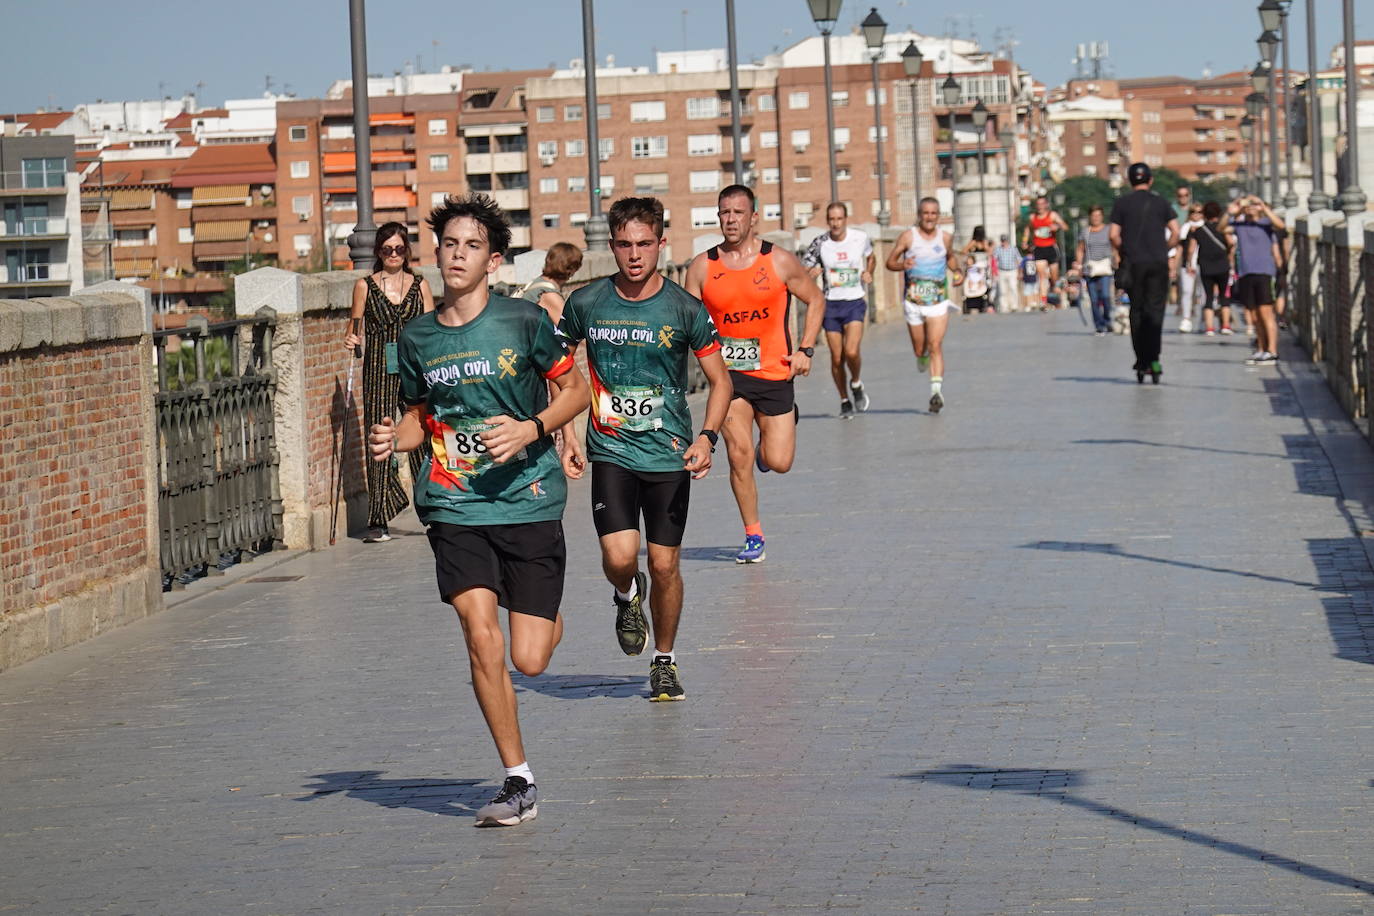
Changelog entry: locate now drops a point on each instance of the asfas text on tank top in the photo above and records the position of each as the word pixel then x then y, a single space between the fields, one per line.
pixel 926 266
pixel 750 309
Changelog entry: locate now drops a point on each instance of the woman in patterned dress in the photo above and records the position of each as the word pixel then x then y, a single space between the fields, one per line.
pixel 385 301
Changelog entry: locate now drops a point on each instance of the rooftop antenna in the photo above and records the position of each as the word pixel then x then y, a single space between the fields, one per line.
pixel 684 32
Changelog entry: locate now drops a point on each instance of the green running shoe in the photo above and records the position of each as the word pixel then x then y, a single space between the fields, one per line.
pixel 631 626
pixel 663 683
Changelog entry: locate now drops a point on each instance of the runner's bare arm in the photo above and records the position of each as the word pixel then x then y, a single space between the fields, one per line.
pixel 696 275
pixel 387 436
pixel 896 257
pixel 697 458
pixel 870 263
pixel 799 284
pixel 352 338
pixel 509 435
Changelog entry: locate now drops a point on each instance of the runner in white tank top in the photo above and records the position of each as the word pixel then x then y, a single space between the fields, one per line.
pixel 924 255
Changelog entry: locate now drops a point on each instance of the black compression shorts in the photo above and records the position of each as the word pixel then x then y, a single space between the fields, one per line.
pixel 621 496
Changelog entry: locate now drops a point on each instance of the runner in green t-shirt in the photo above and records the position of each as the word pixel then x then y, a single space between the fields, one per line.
pixel 640 331
pixel 475 379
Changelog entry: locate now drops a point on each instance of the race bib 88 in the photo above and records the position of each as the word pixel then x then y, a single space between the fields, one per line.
pixel 464 449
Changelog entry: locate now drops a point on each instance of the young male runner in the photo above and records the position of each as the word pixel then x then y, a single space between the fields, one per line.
pixel 844 257
pixel 745 283
pixel 1042 236
pixel 474 376
pixel 925 254
pixel 640 331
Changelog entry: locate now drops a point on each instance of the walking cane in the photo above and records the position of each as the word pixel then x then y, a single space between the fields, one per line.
pixel 343 434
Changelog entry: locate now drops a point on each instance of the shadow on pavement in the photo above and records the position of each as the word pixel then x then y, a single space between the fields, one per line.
pixel 1115 550
pixel 1126 379
pixel 1190 448
pixel 1343 566
pixel 718 554
pixel 1054 785
pixel 583 686
pixel 454 797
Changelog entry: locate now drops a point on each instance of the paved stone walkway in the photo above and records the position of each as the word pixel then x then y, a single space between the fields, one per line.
pixel 1072 646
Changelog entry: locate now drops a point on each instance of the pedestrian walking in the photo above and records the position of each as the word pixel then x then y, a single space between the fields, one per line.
pixel 1209 246
pixel 384 302
pixel 1189 282
pixel 977 261
pixel 560 263
pixel 1006 262
pixel 1097 261
pixel 474 380
pixel 1143 229
pixel 1257 258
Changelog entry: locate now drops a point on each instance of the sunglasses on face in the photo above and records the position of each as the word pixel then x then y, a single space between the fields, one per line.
pixel 388 250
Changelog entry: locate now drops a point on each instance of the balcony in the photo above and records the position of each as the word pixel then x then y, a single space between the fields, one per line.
pixel 510 162
pixel 35 227
pixel 254 212
pixel 26 183
pixel 477 164
pixel 34 274
pixel 519 236
pixel 516 199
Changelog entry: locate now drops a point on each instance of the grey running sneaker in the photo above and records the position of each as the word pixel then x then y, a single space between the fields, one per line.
pixel 663 682
pixel 860 397
pixel 846 409
pixel 514 804
pixel 937 401
pixel 631 626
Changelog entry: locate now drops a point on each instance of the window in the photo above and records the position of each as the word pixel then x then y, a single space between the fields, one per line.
pixel 300 168
pixel 1090 149
pixel 873 134
pixel 548 149
pixel 767 103
pixel 607 147
pixel 303 244
pixel 801 139
pixel 882 96
pixel 801 214
pixel 513 181
pixel 186 235
pixel 801 173
pixel 772 176
pixel 607 185
pixel 841 137
pixel 339 131
pixel 572 112
pixel 705 218
pixel 840 98
pixel 296 132
pixel 575 147
pixel 651 182
pixel 706 107
pixel 603 111
pixel 438 127
pixel 705 180
pixel 548 186
pixel 577 183
pixel 45 173
pixel 703 144
pixel 551 220
pixel 512 143
pixel 302 205
pixel 648 111
pixel 1090 169
pixel 544 114
pixel 799 100
pixel 768 139
pixel 648 147
pixel 577 219
pixel 478 145
pixel 842 173
pixel 479 182
pixel 437 198
pixel 438 162
pixel 772 212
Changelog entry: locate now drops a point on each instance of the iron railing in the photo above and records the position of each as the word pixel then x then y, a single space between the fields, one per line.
pixel 219 495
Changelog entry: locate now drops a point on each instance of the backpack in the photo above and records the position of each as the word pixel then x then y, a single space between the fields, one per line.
pixel 534 289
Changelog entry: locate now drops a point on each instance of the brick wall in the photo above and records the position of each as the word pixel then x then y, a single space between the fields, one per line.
pixel 330 415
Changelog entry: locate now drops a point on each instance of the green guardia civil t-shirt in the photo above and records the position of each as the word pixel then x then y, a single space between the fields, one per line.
pixel 637 355
pixel 498 363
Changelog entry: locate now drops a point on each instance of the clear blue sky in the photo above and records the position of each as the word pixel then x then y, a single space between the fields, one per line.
pixel 63 52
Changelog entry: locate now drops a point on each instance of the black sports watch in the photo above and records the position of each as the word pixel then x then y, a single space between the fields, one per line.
pixel 711 436
pixel 809 351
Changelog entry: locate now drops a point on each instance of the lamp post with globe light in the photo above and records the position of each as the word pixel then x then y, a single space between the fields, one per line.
pixel 980 123
pixel 911 64
pixel 874 29
pixel 824 13
pixel 949 94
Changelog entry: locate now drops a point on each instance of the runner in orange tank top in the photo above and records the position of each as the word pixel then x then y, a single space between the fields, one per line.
pixel 1041 236
pixel 745 283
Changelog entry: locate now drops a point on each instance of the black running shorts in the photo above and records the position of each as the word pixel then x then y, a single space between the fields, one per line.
pixel 1047 253
pixel 522 563
pixel 768 397
pixel 620 496
pixel 1253 290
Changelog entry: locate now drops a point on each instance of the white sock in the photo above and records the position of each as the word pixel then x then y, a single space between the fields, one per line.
pixel 935 385
pixel 672 656
pixel 634 590
pixel 855 383
pixel 522 770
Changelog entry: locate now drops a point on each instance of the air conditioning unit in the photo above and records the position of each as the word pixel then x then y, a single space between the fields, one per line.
pixel 799 148
pixel 546 160
pixel 604 156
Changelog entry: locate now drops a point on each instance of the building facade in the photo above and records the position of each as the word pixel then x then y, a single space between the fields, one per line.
pixel 40 215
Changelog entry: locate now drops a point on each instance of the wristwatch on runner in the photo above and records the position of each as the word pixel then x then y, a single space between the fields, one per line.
pixel 810 352
pixel 711 436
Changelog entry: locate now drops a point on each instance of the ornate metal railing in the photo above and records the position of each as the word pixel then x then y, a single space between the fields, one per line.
pixel 218 492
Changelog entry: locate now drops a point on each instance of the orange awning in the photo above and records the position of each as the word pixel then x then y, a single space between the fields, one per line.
pixel 390 117
pixel 392 155
pixel 339 162
pixel 393 198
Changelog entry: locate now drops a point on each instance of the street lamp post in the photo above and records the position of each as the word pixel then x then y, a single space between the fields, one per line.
pixel 595 230
pixel 1007 137
pixel 911 63
pixel 1352 198
pixel 980 123
pixel 874 28
pixel 364 230
pixel 949 94
pixel 1318 199
pixel 1247 134
pixel 734 92
pixel 1255 104
pixel 1268 45
pixel 1290 197
pixel 824 13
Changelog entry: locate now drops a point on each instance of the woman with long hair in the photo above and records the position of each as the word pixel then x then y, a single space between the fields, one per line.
pixel 977 272
pixel 384 301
